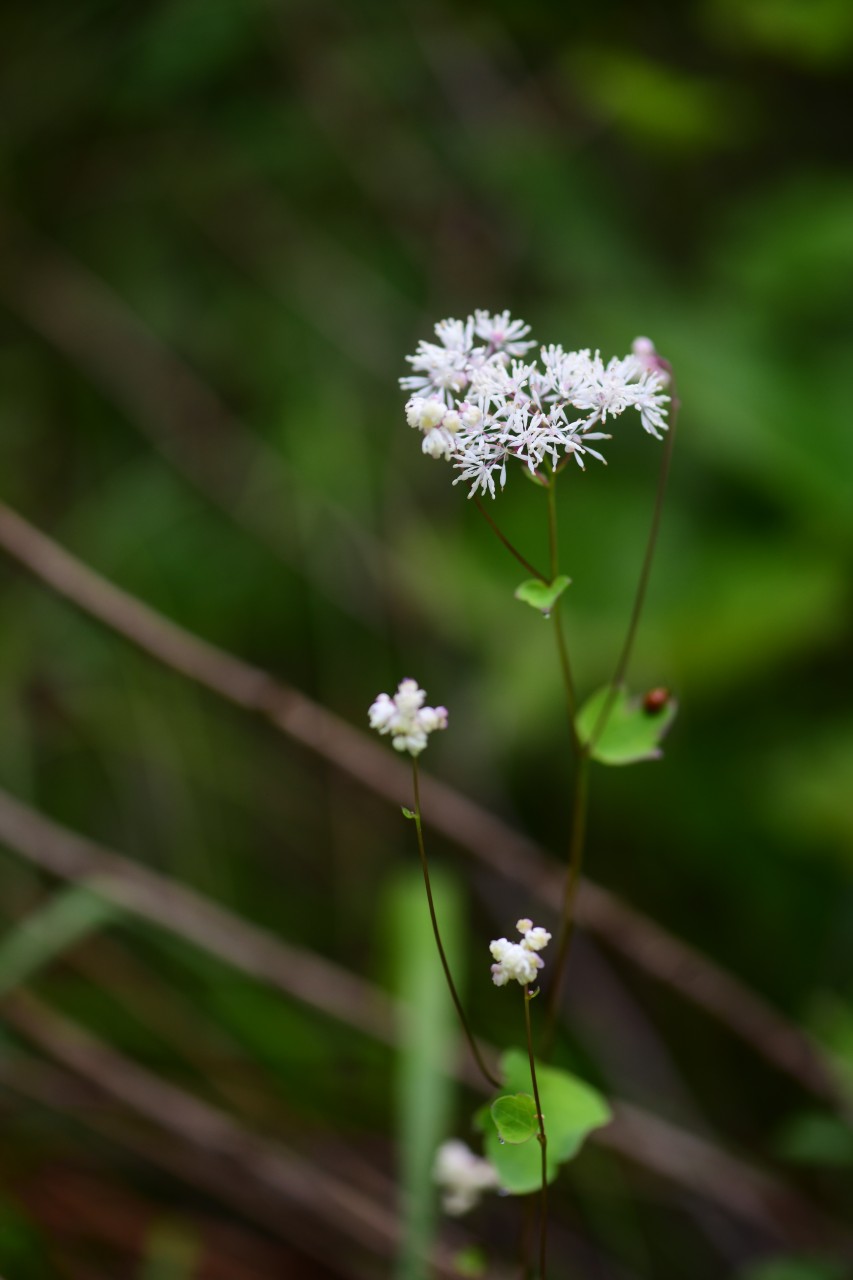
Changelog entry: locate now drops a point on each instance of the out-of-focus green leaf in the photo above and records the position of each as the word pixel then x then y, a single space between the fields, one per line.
pixel 814 1137
pixel 632 731
pixel 655 103
pixel 471 1261
pixel 172 1252
pixel 571 1109
pixel 816 32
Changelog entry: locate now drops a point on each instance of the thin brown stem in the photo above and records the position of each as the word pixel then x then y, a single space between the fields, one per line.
pixel 511 548
pixel 492 1079
pixel 643 582
pixel 543 1140
pixel 562 647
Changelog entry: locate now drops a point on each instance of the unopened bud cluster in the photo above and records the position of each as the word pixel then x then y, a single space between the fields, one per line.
pixel 480 403
pixel 519 961
pixel 406 718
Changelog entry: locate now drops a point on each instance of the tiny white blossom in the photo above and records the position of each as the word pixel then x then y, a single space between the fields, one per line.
pixel 406 718
pixel 462 1176
pixel 519 961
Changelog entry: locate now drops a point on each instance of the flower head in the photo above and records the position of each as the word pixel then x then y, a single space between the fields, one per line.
pixel 482 404
pixel 519 961
pixel 462 1176
pixel 406 718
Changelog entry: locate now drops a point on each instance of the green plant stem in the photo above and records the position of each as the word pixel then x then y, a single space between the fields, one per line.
pixel 478 1058
pixel 643 582
pixel 543 1140
pixel 511 548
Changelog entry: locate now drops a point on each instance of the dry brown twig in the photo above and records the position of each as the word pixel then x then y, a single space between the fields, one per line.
pixel 289 1177
pixel 662 1148
pixel 491 841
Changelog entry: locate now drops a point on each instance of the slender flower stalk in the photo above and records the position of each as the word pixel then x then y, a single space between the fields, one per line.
pixel 562 647
pixel 542 1137
pixel 645 573
pixel 478 1057
pixel 511 548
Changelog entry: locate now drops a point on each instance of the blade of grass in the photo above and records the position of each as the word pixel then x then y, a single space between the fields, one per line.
pixel 69 916
pixel 427 1035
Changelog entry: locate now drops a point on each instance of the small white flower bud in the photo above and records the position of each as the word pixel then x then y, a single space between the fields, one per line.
pixel 406 718
pixel 431 414
pixel 518 961
pixel 438 443
pixel 452 422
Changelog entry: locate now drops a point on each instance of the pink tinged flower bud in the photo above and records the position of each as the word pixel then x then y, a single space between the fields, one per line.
pixel 646 352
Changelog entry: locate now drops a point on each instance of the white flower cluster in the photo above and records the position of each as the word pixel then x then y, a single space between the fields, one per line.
pixel 406 717
pixel 519 961
pixel 479 402
pixel 462 1176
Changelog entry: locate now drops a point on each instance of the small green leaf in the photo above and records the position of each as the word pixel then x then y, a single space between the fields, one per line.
pixel 632 730
pixel 407 813
pixel 515 1117
pixel 542 595
pixel 470 1261
pixel 570 1109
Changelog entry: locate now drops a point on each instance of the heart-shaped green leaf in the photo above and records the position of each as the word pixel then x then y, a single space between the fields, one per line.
pixel 515 1117
pixel 633 727
pixel 570 1110
pixel 542 595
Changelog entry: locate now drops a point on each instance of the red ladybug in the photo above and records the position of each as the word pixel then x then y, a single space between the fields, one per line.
pixel 655 700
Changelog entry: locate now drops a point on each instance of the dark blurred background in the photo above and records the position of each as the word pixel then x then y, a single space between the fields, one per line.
pixel 223 224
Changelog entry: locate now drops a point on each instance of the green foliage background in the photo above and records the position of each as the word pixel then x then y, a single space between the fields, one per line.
pixel 281 198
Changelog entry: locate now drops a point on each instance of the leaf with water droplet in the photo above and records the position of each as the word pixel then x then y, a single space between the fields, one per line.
pixel 407 813
pixel 515 1118
pixel 540 595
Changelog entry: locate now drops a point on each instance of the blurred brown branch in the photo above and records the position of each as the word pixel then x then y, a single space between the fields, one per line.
pixel 645 1139
pixel 487 838
pixel 300 1183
